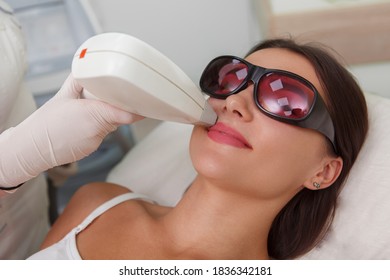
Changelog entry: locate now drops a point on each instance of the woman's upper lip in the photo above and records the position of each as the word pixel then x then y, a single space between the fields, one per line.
pixel 225 129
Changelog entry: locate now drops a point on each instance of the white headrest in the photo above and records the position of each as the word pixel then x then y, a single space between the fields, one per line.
pixel 159 166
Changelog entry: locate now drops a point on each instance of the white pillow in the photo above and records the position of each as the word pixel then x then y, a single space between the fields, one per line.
pixel 159 166
pixel 361 228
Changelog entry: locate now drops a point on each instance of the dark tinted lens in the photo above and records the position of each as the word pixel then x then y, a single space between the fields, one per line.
pixel 223 76
pixel 285 96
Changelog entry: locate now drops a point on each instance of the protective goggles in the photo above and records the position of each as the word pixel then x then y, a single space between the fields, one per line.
pixel 281 95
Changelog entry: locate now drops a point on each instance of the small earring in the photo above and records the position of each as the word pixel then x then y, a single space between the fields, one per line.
pixel 316 185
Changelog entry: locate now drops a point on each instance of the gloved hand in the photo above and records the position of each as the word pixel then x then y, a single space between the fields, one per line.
pixel 65 129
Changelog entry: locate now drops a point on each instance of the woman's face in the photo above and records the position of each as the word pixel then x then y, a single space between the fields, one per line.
pixel 249 152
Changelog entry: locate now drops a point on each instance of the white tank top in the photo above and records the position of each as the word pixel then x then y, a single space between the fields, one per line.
pixel 66 249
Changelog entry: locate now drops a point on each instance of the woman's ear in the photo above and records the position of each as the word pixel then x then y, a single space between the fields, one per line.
pixel 327 174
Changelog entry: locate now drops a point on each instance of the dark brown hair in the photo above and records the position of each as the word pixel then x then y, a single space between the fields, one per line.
pixel 306 218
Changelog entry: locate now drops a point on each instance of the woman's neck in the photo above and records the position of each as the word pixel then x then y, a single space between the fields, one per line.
pixel 211 222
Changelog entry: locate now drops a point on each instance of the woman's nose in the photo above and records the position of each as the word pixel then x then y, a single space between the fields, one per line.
pixel 238 105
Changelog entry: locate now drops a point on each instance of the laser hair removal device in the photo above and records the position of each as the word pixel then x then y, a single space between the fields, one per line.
pixel 130 74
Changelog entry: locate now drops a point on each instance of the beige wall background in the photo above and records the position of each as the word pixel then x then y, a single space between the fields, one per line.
pixel 192 32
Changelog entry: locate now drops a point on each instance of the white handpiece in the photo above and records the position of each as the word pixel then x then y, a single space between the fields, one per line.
pixel 128 73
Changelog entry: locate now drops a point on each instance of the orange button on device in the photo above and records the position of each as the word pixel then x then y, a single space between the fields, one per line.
pixel 83 52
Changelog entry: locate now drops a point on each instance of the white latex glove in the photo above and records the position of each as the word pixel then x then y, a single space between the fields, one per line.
pixel 63 130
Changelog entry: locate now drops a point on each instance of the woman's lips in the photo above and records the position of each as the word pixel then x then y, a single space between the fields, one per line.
pixel 224 134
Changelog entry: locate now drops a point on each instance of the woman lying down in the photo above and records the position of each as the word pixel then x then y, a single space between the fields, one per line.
pixel 291 122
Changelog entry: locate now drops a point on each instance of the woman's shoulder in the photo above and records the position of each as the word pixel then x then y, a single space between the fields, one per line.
pixel 86 199
pixel 93 194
